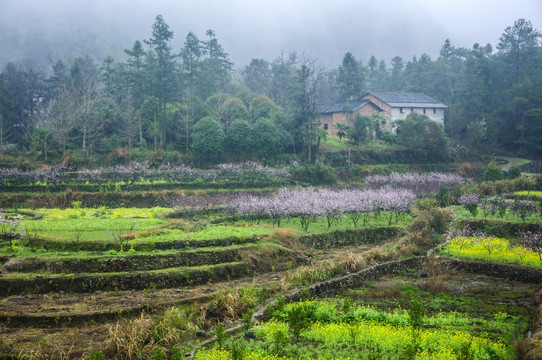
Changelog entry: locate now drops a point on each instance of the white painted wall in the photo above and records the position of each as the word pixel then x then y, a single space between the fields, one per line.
pixel 437 115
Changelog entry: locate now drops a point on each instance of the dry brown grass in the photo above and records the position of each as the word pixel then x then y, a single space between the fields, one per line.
pixel 353 262
pixel 386 289
pixel 131 339
pixel 375 254
pixel 405 248
pixel 52 348
pixel 176 325
pixel 438 276
pixel 421 238
pixel 309 274
pixel 289 239
pixel 284 234
pixel 436 284
pixel 470 170
pixel 140 337
pixel 14 265
pixel 228 305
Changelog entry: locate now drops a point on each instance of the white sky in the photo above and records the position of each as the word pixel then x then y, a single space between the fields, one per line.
pixel 325 29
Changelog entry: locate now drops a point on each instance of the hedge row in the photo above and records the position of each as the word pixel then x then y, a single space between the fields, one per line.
pixel 64 200
pixel 374 157
pixel 110 187
pixel 351 237
pixel 499 228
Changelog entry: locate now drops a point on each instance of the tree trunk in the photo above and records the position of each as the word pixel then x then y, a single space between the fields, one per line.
pixel 310 141
pixel 85 143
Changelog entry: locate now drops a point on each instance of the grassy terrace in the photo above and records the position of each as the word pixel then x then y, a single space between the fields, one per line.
pixel 86 249
pixel 130 227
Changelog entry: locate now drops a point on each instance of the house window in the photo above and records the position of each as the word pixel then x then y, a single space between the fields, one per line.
pixel 424 110
pixel 325 126
pixel 401 110
pixel 411 109
pixel 434 110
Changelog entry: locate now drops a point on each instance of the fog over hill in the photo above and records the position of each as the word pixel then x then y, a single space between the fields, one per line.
pixel 44 31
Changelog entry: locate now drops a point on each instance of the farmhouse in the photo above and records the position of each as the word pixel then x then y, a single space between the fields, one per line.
pixel 394 106
pixel 344 112
pixel 398 106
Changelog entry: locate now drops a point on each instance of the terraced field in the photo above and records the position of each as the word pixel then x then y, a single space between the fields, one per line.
pixel 88 268
pixel 137 283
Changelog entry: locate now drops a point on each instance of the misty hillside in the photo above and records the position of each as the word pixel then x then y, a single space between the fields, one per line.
pixel 154 90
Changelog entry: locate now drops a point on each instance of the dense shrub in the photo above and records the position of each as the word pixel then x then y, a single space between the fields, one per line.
pixel 499 228
pixel 503 186
pixel 316 174
pixel 493 172
pixel 514 172
pixel 436 219
pixel 424 137
pixel 427 203
pixel 471 170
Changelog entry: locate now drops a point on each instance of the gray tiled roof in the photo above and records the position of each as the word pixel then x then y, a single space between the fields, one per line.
pixel 352 105
pixel 406 99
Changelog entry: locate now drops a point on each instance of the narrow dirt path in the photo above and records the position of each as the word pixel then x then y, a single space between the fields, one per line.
pixel 511 162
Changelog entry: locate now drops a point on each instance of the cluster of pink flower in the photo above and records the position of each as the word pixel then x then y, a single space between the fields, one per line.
pixel 252 168
pixel 183 173
pixel 425 184
pixel 309 204
pixel 49 176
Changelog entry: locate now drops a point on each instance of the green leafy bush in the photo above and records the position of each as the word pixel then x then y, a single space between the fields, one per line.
pixel 514 172
pixel 316 174
pixel 493 172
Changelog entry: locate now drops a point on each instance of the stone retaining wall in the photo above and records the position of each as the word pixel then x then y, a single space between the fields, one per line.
pixel 354 280
pixel 125 281
pixel 124 263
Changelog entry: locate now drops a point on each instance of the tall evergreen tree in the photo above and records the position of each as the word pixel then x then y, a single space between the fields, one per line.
pixel 208 137
pixel 161 70
pixel 217 66
pixel 519 44
pixel 191 74
pixel 350 78
pixel 257 76
pixel 396 80
pixel 26 91
pixel 136 84
pixel 7 113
